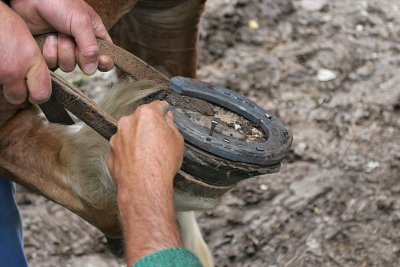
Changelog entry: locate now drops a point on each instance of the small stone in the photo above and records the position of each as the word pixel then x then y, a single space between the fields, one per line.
pixel 300 148
pixel 325 75
pixel 263 187
pixel 313 5
pixel 372 165
pixel 359 28
pixel 312 243
pixel 253 24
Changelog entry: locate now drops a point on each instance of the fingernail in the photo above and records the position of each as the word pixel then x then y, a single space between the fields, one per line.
pixel 52 40
pixel 90 68
pixel 14 100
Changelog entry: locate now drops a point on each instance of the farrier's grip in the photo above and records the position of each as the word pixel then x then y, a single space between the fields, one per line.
pixel 205 172
pixel 83 107
pixel 124 60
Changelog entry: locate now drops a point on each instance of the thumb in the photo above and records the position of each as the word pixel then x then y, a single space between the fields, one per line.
pixel 38 81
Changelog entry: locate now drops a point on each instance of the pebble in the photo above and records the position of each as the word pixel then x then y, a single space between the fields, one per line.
pixel 325 75
pixel 253 24
pixel 372 165
pixel 263 187
pixel 313 5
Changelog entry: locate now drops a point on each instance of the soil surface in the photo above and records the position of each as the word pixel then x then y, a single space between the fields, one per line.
pixel 330 70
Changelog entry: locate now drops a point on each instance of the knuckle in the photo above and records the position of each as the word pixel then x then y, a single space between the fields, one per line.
pixel 90 51
pixel 144 110
pixel 165 103
pixel 123 123
pixel 156 103
pixel 82 20
pixel 138 112
pixel 97 23
pixel 32 55
pixel 31 50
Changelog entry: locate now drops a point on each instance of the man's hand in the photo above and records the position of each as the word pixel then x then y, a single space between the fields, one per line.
pixel 71 18
pixel 23 71
pixel 146 153
pixel 147 144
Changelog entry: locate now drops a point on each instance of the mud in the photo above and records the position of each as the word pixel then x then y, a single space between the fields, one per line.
pixel 229 123
pixel 330 71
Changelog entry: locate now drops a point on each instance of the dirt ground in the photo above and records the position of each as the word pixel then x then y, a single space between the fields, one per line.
pixel 330 70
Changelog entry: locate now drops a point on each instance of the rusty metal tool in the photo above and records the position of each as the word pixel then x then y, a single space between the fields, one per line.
pixel 81 106
pixel 67 96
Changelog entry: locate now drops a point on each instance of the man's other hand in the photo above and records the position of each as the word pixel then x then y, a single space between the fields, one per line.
pixel 23 71
pixel 71 18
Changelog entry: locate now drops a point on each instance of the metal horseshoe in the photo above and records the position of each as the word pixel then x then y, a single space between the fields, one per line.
pixel 267 153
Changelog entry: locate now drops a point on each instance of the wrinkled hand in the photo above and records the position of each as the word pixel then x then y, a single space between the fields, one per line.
pixel 146 153
pixel 71 18
pixel 147 145
pixel 23 71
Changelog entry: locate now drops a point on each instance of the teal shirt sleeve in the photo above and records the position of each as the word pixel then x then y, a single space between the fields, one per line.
pixel 171 257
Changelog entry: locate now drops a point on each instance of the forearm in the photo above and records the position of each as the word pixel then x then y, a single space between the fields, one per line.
pixel 148 219
pixel 146 152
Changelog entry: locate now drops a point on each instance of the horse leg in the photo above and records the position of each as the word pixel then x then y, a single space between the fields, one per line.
pixel 192 238
pixel 162 33
pixel 31 155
